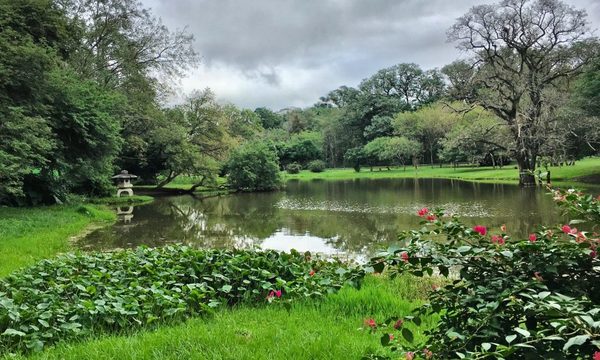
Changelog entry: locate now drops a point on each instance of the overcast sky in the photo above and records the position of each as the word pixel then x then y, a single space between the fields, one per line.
pixel 280 53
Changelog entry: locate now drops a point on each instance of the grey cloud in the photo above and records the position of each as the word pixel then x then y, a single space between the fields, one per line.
pixel 348 39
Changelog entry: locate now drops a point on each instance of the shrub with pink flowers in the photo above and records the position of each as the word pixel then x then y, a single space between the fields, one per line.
pixel 507 298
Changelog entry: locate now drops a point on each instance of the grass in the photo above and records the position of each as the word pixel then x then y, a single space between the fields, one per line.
pixel 331 328
pixel 587 167
pixel 30 234
pixel 123 200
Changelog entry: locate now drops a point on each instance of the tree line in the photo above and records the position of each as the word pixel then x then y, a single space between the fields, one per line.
pixel 83 85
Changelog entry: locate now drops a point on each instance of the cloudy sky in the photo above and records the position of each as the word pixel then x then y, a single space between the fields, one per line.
pixel 280 53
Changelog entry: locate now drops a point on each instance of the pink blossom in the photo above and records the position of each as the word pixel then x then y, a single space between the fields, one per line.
pixel 566 229
pixel 411 355
pixel 496 239
pixel 371 323
pixel 503 228
pixel 597 353
pixel 428 353
pixel 391 336
pixel 404 256
pixel 424 211
pixel 593 254
pixel 398 324
pixel 311 273
pixel 482 230
pixel 501 241
pixel 532 238
pixel 537 276
pixel 431 218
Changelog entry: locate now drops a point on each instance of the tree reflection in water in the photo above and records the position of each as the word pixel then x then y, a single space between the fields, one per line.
pixel 354 218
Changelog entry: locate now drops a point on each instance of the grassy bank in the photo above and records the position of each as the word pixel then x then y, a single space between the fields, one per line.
pixel 30 234
pixel 123 200
pixel 328 329
pixel 588 167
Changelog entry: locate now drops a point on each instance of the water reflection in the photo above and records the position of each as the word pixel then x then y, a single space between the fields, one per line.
pixel 354 218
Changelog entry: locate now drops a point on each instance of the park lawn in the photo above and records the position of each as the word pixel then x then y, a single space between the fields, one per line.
pixel 509 174
pixel 331 328
pixel 31 234
pixel 123 200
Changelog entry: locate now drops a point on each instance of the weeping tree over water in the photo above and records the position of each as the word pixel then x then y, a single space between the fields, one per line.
pixel 522 50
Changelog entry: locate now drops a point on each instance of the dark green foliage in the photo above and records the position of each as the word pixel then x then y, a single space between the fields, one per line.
pixel 77 295
pixel 254 167
pixel 293 168
pixel 354 157
pixel 316 166
pixel 269 119
pixel 509 298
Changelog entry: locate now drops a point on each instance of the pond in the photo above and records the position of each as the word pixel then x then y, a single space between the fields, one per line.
pixel 353 218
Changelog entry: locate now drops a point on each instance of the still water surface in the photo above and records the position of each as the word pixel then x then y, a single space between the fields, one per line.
pixel 353 218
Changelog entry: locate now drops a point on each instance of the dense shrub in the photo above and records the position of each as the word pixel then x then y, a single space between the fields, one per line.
pixel 77 295
pixel 316 166
pixel 254 167
pixel 293 168
pixel 509 298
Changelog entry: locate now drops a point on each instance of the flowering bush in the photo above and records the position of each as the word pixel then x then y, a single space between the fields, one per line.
pixel 508 298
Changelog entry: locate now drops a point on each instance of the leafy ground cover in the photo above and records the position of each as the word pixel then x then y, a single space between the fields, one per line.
pixel 30 234
pixel 77 295
pixel 332 327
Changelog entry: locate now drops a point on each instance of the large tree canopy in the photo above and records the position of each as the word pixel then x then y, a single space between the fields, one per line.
pixel 522 49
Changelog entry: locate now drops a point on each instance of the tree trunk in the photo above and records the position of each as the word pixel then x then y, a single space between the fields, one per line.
pixel 526 171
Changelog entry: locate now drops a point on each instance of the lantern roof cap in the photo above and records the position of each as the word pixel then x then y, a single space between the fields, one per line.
pixel 125 175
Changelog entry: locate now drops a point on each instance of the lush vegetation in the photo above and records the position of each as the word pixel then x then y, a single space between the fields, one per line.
pixel 83 82
pixel 509 298
pixel 585 170
pixel 332 327
pixel 254 167
pixel 28 235
pixel 77 295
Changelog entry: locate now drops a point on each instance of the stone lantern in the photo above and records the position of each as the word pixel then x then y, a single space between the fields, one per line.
pixel 124 183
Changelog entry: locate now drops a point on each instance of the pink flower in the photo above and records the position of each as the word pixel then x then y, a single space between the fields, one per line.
pixel 391 336
pixel 424 211
pixel 503 228
pixel 411 355
pixel 431 218
pixel 566 229
pixel 532 238
pixel 272 294
pixel 501 241
pixel 482 230
pixel 371 323
pixel 580 237
pixel 311 273
pixel 496 239
pixel 593 254
pixel 398 324
pixel 537 276
pixel 428 353
pixel 597 353
pixel 404 256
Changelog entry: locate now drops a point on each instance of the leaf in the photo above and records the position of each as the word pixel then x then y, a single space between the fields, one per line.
pixel 511 338
pixel 13 332
pixel 226 288
pixel 486 346
pixel 378 267
pixel 464 249
pixel 407 334
pixel 575 340
pixel 385 339
pixel 523 332
pixel 542 295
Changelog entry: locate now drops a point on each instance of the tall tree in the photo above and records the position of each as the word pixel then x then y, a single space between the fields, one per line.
pixel 521 49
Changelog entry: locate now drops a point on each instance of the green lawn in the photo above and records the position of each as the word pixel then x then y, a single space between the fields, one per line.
pixel 30 234
pixel 328 329
pixel 566 174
